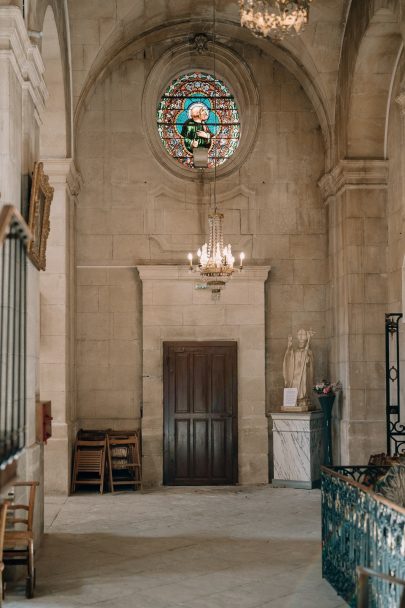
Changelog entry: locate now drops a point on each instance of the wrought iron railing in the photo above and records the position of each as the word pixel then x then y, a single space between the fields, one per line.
pixel 395 428
pixel 14 237
pixel 361 528
pixel 364 575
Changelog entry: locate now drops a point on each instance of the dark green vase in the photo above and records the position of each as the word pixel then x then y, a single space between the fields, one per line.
pixel 326 402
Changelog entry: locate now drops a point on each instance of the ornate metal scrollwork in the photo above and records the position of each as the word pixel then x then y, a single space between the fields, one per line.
pixel 360 528
pixel 395 429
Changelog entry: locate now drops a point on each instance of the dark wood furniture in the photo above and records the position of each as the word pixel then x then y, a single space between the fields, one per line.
pixel 200 413
pixel 19 541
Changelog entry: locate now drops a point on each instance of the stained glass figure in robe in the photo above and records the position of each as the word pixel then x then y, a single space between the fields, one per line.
pixel 198 110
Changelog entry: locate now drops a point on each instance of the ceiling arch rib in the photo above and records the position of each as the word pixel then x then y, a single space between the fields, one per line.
pixel 127 42
pixel 53 131
pixel 369 52
pixel 371 83
pixel 38 10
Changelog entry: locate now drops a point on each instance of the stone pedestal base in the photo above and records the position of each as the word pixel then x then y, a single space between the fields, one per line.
pixel 297 438
pixel 297 408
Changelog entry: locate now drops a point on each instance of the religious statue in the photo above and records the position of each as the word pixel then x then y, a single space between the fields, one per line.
pixel 298 368
pixel 195 132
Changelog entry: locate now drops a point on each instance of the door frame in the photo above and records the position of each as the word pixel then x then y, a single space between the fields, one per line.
pixel 166 413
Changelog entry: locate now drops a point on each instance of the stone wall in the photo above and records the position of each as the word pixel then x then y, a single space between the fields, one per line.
pixel 132 211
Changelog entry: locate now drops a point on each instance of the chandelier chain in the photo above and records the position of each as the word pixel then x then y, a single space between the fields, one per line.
pixel 215 261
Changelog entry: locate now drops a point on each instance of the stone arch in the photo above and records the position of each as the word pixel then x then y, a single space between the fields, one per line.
pixel 39 24
pixel 370 48
pixel 53 141
pixel 138 35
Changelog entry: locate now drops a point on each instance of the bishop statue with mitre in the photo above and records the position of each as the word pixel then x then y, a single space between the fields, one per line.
pixel 298 368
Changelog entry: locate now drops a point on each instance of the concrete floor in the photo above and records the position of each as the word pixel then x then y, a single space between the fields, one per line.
pixel 183 548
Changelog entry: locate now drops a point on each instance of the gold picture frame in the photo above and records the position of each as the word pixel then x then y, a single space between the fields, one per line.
pixel 38 218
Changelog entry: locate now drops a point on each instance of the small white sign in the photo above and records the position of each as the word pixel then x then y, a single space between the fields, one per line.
pixel 290 397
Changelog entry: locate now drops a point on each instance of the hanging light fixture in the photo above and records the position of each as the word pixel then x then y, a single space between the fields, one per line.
pixel 274 18
pixel 215 261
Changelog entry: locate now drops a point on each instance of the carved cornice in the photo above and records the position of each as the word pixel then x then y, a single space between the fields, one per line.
pixel 62 172
pixel 352 174
pixel 25 58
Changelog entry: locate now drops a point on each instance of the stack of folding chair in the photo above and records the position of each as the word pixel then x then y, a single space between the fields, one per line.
pixel 124 460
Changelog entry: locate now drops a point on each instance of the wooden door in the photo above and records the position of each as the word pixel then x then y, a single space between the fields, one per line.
pixel 200 413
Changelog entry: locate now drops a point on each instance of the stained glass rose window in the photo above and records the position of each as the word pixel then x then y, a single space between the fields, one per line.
pixel 198 110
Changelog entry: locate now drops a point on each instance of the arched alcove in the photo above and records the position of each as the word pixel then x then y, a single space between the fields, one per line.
pixel 371 84
pixel 53 129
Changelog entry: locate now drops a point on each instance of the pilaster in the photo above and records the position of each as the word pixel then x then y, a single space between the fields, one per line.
pixel 57 361
pixel 356 194
pixel 400 100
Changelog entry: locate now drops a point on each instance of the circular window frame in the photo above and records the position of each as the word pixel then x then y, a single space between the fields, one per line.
pixel 192 85
pixel 233 71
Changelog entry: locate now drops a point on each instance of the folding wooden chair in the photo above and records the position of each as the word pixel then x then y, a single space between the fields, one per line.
pixel 19 544
pixel 124 461
pixel 89 463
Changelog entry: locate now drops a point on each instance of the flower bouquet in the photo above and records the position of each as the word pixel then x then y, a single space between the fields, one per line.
pixel 327 388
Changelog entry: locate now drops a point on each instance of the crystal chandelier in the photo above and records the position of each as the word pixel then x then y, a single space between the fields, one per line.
pixel 215 262
pixel 274 18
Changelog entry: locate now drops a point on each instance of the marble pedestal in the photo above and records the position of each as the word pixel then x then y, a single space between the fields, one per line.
pixel 297 445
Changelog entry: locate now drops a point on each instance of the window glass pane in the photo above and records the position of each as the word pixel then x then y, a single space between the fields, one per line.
pixel 198 110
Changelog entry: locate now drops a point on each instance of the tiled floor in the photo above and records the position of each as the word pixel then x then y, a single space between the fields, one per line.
pixel 183 548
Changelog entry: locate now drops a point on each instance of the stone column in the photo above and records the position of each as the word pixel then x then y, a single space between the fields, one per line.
pixel 57 363
pixel 396 223
pixel 399 213
pixel 356 194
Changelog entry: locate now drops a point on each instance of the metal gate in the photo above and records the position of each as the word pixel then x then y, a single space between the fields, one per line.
pixel 395 428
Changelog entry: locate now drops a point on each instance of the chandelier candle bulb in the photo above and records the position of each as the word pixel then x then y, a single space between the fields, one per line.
pixel 190 259
pixel 242 257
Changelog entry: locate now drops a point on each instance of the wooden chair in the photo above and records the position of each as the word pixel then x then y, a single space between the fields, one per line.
pixel 3 516
pixel 89 463
pixel 124 461
pixel 19 543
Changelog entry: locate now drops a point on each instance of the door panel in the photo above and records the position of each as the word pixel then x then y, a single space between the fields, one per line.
pixel 219 384
pixel 200 382
pixel 182 448
pixel 218 449
pixel 182 383
pixel 200 413
pixel 200 453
